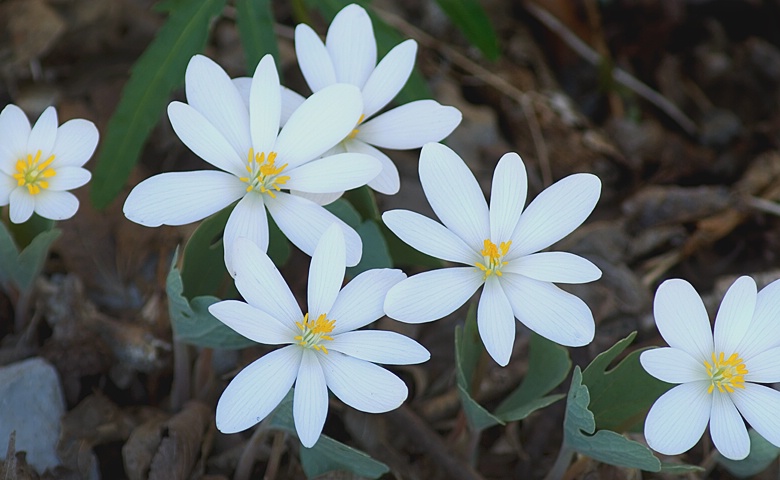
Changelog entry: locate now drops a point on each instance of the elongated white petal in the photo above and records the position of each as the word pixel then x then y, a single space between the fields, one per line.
pixel 678 418
pixel 244 86
pixel 68 178
pixel 326 271
pixel 21 205
pixel 335 173
pixel 362 300
pixel 555 213
pixel 728 429
pixel 7 185
pixel 549 311
pixel 759 405
pixel 14 132
pixel 764 331
pixel 388 180
pixel 43 133
pixel 432 295
pixel 257 390
pixel 411 125
pixel 559 267
pixel 389 77
pixel 313 58
pixel 56 205
pixel 363 385
pixel 429 237
pixel 310 402
pixel 322 121
pixel 763 367
pixel 211 92
pixel 75 144
pixel 303 222
pixel 454 194
pixel 291 100
pixel 673 365
pixel 351 45
pixel 682 319
pixel 253 323
pixel 318 198
pixel 260 283
pixel 507 196
pixel 179 198
pixel 734 315
pixel 249 220
pixel 265 105
pixel 379 346
pixel 496 322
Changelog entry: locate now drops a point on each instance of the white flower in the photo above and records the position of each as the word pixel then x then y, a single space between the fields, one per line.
pixel 39 165
pixel 498 245
pixel 349 55
pixel 322 349
pixel 718 374
pixel 257 160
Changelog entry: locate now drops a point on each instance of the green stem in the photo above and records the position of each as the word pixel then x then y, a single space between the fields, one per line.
pixel 561 464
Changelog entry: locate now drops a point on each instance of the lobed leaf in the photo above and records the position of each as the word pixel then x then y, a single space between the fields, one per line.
pixel 762 454
pixel 375 251
pixel 21 269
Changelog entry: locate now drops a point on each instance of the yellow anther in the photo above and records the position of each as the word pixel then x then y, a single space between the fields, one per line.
pixel 726 373
pixel 313 332
pixel 31 173
pixel 263 173
pixel 354 132
pixel 492 256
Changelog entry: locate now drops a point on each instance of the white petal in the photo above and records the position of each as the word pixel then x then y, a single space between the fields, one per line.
pixel 326 272
pixel 76 142
pixel 496 322
pixel 21 205
pixel 68 178
pixel 388 181
pixel 244 86
pixel 672 365
pixel 677 420
pixel 291 100
pixel 555 213
pixel 379 346
pixel 257 390
pixel 432 295
pixel 313 58
pixel 260 283
pixel 549 311
pixel 682 319
pixel 362 300
pixel 249 220
pixel 303 222
pixel 179 198
pixel 253 323
pixel 764 331
pixel 351 45
pixel 205 140
pixel 310 402
pixel 559 267
pixel 43 133
pixel 389 77
pixel 318 198
pixel 211 92
pixel 56 205
pixel 14 132
pixel 734 315
pixel 411 125
pixel 322 121
pixel 727 428
pixel 763 367
pixel 265 105
pixel 454 194
pixel 759 405
pixel 429 237
pixel 507 197
pixel 334 173
pixel 363 385
pixel 7 185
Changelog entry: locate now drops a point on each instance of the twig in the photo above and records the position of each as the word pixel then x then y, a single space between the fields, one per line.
pixel 277 449
pixel 249 455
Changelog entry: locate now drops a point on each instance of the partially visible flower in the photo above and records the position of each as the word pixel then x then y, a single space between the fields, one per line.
pixel 498 246
pixel 323 352
pixel 257 160
pixel 349 56
pixel 718 374
pixel 39 165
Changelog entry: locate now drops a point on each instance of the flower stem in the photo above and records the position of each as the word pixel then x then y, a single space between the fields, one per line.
pixel 561 463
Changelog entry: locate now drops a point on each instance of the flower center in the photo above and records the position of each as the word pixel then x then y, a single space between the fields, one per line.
pixel 726 373
pixel 263 173
pixel 493 256
pixel 32 173
pixel 354 132
pixel 314 332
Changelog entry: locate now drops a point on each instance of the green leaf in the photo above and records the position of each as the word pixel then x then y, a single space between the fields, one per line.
pixel 153 77
pixel 605 446
pixel 191 321
pixel 364 201
pixel 621 397
pixel 256 27
pixel 345 211
pixel 203 269
pixel 375 252
pixel 679 468
pixel 278 245
pixel 24 233
pixel 404 255
pixel 23 268
pixel 471 19
pixel 762 454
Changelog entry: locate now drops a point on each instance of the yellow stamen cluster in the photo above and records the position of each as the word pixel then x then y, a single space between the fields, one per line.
pixel 32 174
pixel 726 373
pixel 263 173
pixel 493 256
pixel 315 331
pixel 354 132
